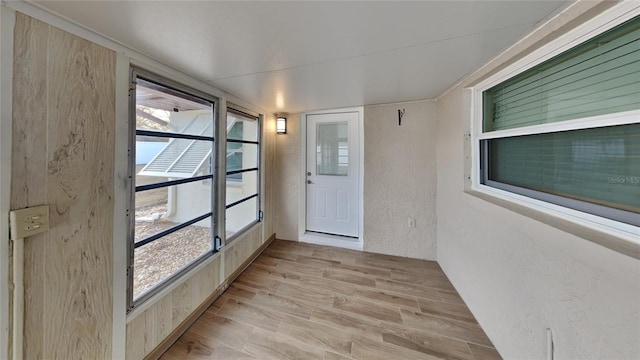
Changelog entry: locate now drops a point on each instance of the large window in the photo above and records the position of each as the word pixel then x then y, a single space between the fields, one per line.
pixel 567 131
pixel 172 202
pixel 243 174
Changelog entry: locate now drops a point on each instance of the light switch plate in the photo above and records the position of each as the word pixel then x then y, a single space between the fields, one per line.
pixel 29 221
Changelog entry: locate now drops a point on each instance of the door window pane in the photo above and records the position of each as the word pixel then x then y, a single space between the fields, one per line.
pixel 332 149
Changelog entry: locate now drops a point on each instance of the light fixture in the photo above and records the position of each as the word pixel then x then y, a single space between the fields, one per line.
pixel 281 125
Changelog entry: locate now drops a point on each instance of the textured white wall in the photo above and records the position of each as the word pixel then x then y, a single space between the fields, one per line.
pixel 400 179
pixel 287 184
pixel 520 276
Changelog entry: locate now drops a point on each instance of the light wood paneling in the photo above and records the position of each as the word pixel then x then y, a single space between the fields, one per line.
pixel 241 249
pixel 64 120
pixel 366 323
pixel 29 163
pixel 149 330
pixel 63 131
pixel 140 335
pixel 162 315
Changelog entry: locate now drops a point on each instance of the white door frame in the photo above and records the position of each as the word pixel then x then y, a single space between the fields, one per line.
pixel 338 241
pixel 7 21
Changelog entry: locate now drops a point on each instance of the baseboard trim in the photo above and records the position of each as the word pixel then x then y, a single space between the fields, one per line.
pixel 184 326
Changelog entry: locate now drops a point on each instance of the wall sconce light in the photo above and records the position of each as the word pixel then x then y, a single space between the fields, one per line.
pixel 281 125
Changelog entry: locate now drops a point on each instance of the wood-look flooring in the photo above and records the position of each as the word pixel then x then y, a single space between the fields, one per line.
pixel 304 301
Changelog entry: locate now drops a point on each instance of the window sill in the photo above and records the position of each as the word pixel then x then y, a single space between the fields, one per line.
pixel 618 237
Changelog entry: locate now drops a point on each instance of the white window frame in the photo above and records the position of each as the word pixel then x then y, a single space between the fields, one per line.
pixel 613 17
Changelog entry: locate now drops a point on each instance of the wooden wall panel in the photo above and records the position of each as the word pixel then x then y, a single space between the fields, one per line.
pixel 140 334
pixel 240 250
pixel 63 141
pixel 64 118
pixel 162 315
pixel 29 162
pixel 149 328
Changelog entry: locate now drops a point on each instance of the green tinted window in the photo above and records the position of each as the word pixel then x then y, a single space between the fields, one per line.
pixel 600 76
pixel 599 166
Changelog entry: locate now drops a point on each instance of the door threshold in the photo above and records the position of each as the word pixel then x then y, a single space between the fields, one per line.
pixel 345 242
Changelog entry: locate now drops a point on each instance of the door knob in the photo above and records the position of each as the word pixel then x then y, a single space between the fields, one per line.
pixel 309 182
pixel 309 173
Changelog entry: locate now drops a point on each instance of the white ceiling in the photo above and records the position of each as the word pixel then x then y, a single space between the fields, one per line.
pixel 297 56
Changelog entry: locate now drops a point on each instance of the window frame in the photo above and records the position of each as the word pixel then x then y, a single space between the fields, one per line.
pixel 475 174
pixel 258 169
pixel 136 72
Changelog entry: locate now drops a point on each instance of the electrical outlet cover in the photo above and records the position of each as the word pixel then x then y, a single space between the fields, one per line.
pixel 28 222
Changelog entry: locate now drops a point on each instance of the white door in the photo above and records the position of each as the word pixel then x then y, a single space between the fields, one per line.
pixel 333 173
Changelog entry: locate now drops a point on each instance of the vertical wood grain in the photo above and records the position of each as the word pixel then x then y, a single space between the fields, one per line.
pixel 241 248
pixel 63 125
pixel 162 315
pixel 140 335
pixel 28 163
pixel 151 327
pixel 81 111
pixel 63 131
pixel 181 303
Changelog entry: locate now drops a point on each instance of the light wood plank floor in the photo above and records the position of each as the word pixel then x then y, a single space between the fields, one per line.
pixel 303 301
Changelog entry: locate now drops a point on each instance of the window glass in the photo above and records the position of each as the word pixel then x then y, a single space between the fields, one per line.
pixel 241 127
pixel 241 156
pixel 172 219
pixel 601 76
pixel 594 167
pixel 241 215
pixel 242 171
pixel 159 260
pixel 332 149
pixel 600 166
pixel 159 108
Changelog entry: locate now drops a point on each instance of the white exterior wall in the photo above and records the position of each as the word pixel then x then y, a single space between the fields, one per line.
pixel 520 276
pixel 287 188
pixel 400 179
pixel 193 199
